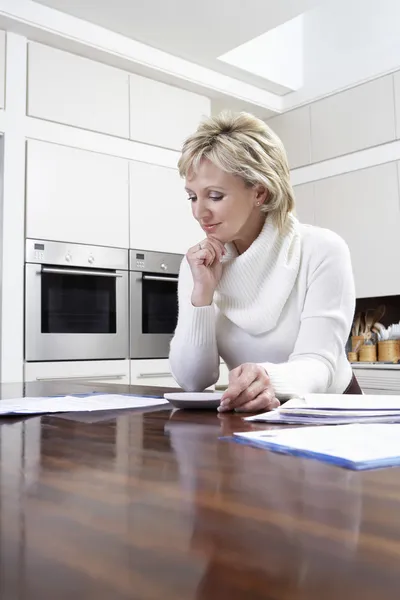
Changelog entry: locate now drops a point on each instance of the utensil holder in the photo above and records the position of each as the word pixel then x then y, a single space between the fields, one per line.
pixel 367 354
pixel 352 356
pixel 356 341
pixel 389 351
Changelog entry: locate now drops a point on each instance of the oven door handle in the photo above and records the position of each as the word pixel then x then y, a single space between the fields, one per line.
pixel 159 278
pixel 78 272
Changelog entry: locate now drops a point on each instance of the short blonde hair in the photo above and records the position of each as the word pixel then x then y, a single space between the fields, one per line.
pixel 243 145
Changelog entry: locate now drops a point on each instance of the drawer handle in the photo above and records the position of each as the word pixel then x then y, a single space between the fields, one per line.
pixel 151 375
pixel 82 377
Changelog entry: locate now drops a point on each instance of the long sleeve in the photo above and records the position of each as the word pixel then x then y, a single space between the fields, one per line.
pixel 325 323
pixel 194 358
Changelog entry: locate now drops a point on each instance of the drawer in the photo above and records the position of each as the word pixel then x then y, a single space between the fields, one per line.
pixel 380 380
pixel 154 372
pixel 101 371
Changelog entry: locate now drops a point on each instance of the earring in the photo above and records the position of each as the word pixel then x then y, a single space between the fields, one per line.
pixel 257 203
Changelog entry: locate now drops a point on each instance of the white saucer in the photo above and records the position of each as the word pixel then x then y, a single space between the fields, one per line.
pixel 194 400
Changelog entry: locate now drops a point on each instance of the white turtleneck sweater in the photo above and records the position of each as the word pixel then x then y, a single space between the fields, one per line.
pixel 287 303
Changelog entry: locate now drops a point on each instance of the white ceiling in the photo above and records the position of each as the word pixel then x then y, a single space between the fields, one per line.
pixel 198 31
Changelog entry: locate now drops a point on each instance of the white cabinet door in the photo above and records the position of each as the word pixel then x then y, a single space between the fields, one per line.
pixel 353 120
pixel 363 207
pixel 164 115
pixel 76 196
pixel 155 372
pixel 105 371
pixel 69 89
pixel 2 68
pixel 397 101
pixel 305 203
pixel 160 212
pixel 294 130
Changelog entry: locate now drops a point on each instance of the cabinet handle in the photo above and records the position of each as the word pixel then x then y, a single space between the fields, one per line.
pixel 151 375
pixel 82 377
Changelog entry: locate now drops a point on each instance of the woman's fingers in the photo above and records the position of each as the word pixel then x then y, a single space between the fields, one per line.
pixel 265 401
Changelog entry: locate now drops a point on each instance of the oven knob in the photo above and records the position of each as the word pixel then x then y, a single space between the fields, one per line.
pixel 91 259
pixel 68 257
pixel 164 267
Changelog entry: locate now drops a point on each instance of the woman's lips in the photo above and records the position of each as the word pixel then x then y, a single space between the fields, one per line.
pixel 211 228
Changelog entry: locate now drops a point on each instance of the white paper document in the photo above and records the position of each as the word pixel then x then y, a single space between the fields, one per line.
pixel 332 409
pixel 352 446
pixel 95 402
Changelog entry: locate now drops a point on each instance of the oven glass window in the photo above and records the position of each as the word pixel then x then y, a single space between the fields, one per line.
pixel 78 303
pixel 159 306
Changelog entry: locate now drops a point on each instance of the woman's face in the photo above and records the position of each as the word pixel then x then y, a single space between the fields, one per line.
pixel 225 207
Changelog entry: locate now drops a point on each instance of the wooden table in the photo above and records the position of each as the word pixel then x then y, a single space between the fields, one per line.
pixel 154 506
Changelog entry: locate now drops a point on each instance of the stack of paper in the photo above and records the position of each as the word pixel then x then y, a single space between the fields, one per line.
pixel 96 402
pixel 332 409
pixel 351 446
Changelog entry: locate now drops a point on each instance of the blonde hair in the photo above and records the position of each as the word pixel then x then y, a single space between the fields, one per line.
pixel 243 145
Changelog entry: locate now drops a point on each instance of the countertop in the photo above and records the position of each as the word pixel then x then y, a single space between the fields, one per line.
pixel 154 506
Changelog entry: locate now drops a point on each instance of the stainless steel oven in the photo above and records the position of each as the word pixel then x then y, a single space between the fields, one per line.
pixel 76 302
pixel 153 302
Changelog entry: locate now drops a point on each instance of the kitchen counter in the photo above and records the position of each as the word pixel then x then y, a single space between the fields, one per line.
pixel 154 506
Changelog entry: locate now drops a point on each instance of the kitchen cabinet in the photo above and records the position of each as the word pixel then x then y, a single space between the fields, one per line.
pixel 160 212
pixel 2 68
pixel 66 88
pixel 378 379
pixel 76 196
pixel 397 101
pixel 352 120
pixel 294 130
pixel 363 207
pixel 102 371
pixel 164 115
pixel 305 203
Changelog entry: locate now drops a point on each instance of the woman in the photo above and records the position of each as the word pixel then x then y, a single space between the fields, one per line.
pixel 274 298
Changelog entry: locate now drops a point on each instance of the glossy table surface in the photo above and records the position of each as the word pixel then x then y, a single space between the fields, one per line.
pixel 156 506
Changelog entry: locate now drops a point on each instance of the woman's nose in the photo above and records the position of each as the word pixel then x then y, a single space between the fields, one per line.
pixel 200 210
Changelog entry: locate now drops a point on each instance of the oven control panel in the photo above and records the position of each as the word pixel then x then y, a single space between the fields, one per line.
pixel 140 264
pixel 75 255
pixel 154 262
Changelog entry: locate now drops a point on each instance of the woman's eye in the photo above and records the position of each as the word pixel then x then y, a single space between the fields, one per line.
pixel 216 196
pixel 192 198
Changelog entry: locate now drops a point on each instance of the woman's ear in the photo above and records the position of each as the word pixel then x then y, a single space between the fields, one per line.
pixel 261 194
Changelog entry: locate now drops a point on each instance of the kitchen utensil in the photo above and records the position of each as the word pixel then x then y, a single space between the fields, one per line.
pixel 378 313
pixel 356 325
pixel 194 400
pixel 368 320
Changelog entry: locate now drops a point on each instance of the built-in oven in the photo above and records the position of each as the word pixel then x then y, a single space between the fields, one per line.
pixel 76 302
pixel 153 302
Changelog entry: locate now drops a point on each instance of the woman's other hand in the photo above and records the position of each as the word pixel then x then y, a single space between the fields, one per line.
pixel 249 390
